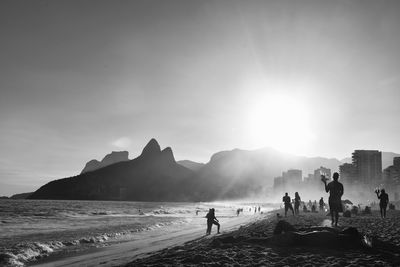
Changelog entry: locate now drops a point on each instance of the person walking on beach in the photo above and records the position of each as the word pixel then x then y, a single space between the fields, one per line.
pixel 336 191
pixel 297 201
pixel 383 201
pixel 211 219
pixel 321 204
pixel 288 205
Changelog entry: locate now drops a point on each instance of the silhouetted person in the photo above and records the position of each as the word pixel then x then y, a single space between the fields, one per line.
pixel 383 201
pixel 259 208
pixel 336 191
pixel 313 208
pixel 237 212
pixel 255 209
pixel 288 205
pixel 297 201
pixel 321 204
pixel 305 208
pixel 211 219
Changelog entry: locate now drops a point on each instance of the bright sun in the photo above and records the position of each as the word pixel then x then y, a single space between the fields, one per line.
pixel 279 121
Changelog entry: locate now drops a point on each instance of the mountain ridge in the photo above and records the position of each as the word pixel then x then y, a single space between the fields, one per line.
pixel 155 175
pixel 109 159
pixel 152 176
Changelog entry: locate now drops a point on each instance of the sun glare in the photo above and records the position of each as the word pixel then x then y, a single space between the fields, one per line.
pixel 279 121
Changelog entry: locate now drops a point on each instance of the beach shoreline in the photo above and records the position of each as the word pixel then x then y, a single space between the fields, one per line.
pixel 143 246
pixel 223 250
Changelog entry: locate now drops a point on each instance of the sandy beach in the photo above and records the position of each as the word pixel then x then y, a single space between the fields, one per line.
pixel 231 249
pixel 146 243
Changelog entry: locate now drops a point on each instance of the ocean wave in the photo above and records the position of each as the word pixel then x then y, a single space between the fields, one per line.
pixel 22 253
pixel 25 252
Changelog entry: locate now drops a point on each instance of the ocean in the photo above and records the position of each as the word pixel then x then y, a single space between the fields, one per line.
pixel 31 230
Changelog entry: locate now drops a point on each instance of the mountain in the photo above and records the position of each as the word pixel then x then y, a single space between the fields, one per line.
pixel 109 159
pixel 21 196
pixel 239 173
pixel 194 166
pixel 153 176
pixel 156 176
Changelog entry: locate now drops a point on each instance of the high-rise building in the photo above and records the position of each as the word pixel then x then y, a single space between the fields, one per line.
pixel 348 173
pixel 368 166
pixel 391 175
pixel 292 177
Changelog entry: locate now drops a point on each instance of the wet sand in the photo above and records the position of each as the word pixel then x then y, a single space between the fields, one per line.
pixel 231 249
pixel 145 245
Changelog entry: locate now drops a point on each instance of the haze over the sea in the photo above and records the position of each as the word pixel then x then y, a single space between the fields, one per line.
pixel 82 78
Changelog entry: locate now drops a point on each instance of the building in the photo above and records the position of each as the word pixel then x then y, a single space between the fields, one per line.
pixel 292 177
pixel 348 173
pixel 391 175
pixel 288 179
pixel 368 166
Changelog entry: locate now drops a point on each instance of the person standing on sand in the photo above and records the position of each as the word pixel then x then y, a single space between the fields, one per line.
pixel 321 204
pixel 297 200
pixel 336 191
pixel 383 201
pixel 211 219
pixel 288 205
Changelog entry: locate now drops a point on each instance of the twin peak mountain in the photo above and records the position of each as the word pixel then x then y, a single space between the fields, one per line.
pixel 151 150
pixel 152 176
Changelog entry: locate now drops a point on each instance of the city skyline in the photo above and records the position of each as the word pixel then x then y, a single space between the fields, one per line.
pixel 82 79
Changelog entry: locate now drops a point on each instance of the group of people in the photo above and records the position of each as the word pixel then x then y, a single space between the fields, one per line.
pixel 335 190
pixel 297 201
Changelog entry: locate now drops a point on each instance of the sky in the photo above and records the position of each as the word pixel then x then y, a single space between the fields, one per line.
pixel 80 79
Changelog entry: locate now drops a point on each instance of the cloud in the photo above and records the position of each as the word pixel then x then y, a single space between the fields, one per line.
pixel 122 142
